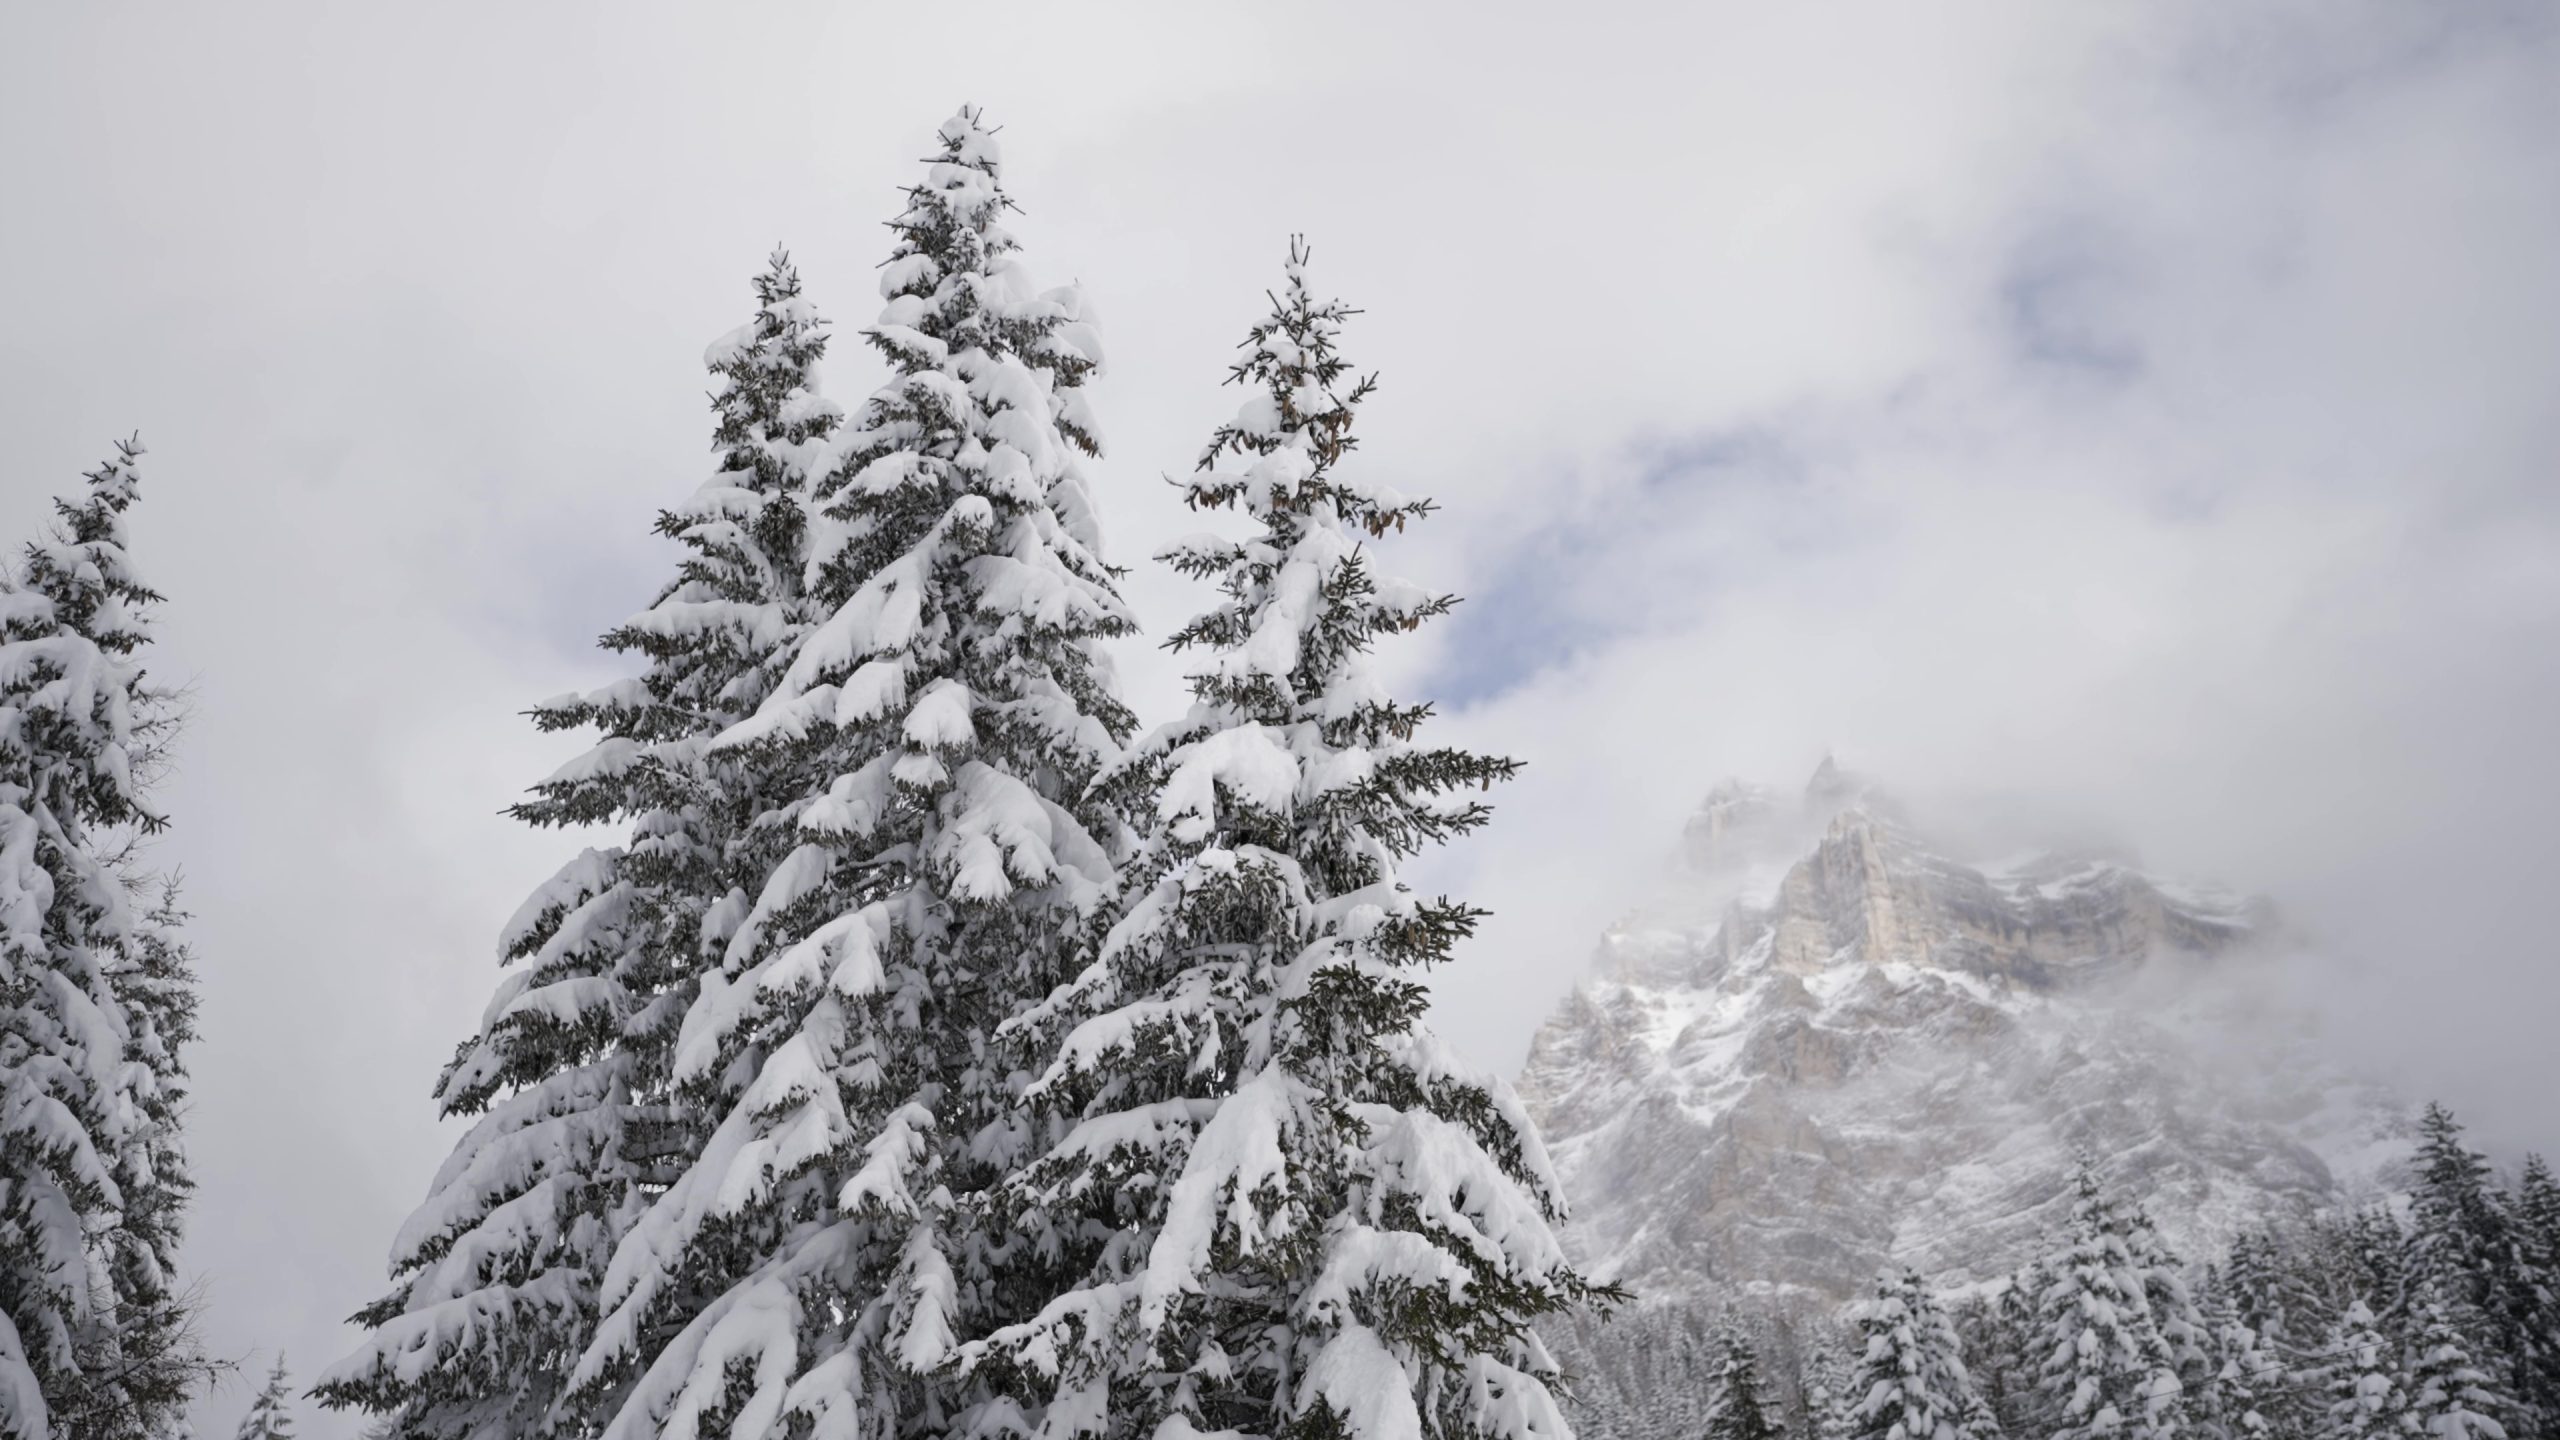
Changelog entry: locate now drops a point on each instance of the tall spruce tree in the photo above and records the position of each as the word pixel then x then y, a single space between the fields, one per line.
pixel 2466 1249
pixel 1910 1382
pixel 942 868
pixel 1740 1410
pixel 96 996
pixel 270 1414
pixel 2460 1230
pixel 1286 1210
pixel 578 1124
pixel 2106 1369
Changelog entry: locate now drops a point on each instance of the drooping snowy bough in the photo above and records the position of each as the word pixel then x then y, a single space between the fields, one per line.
pixel 1279 1206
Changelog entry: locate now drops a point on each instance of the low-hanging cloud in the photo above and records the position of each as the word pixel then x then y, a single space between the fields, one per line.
pixel 2223 523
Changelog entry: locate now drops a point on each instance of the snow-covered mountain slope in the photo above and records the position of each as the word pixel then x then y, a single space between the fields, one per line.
pixel 1836 1045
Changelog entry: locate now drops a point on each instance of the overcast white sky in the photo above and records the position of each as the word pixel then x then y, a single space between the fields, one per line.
pixel 2147 414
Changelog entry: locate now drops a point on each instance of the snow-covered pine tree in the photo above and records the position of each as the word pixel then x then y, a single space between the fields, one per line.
pixel 1740 1409
pixel 944 868
pixel 2243 1370
pixel 2362 1258
pixel 2537 1212
pixel 95 996
pixel 1997 1334
pixel 2449 1397
pixel 2466 1250
pixel 2173 1308
pixel 2537 1229
pixel 578 1126
pixel 1288 1209
pixel 1911 1383
pixel 2105 1368
pixel 270 1414
pixel 2252 1279
pixel 2460 1229
pixel 2366 1398
pixel 163 1365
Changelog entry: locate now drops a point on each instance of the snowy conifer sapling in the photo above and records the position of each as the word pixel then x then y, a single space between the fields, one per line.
pixel 270 1415
pixel 1741 1409
pixel 1285 1208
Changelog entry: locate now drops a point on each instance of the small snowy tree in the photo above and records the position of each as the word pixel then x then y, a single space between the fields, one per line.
pixel 2537 1212
pixel 940 867
pixel 2537 1274
pixel 1911 1383
pixel 2258 1290
pixel 2244 1371
pixel 2174 1314
pixel 1997 1334
pixel 2449 1398
pixel 1740 1409
pixel 270 1414
pixel 577 1122
pixel 2366 1398
pixel 1827 1401
pixel 1286 1209
pixel 96 998
pixel 2106 1369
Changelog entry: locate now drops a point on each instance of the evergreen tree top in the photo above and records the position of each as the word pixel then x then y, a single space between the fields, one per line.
pixel 270 1415
pixel 1290 732
pixel 83 571
pixel 953 289
pixel 1300 427
pixel 767 406
pixel 2448 1174
pixel 2538 1211
pixel 71 624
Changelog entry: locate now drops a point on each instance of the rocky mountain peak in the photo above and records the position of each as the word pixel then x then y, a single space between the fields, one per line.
pixel 1841 1044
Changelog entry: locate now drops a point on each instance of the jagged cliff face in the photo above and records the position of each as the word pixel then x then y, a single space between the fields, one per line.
pixel 1837 1046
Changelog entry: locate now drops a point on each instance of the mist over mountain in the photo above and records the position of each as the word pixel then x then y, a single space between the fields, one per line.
pixel 1839 1039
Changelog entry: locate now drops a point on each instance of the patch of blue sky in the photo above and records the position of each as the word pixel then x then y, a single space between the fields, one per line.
pixel 1631 552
